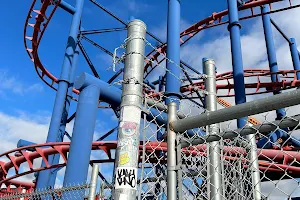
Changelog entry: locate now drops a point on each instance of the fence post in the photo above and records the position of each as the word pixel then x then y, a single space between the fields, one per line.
pixel 253 162
pixel 179 165
pixel 171 158
pixel 214 162
pixel 93 183
pixel 127 152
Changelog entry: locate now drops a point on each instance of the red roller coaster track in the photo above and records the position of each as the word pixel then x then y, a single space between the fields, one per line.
pixel 21 157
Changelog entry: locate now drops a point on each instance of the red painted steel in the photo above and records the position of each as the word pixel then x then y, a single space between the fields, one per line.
pixel 230 153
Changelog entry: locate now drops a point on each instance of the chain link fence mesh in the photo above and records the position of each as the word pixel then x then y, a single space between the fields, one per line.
pixel 277 151
pixel 72 192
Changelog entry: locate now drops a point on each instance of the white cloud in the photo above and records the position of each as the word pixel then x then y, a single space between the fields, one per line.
pixel 13 128
pixel 12 83
pixel 161 30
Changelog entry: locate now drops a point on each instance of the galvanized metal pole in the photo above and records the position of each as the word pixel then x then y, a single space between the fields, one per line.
pixel 253 163
pixel 126 160
pixel 93 183
pixel 179 170
pixel 214 168
pixel 171 159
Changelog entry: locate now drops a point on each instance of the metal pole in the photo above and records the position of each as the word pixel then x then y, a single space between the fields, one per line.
pixel 173 52
pixel 63 124
pixel 179 165
pixel 265 104
pixel 214 168
pixel 237 62
pixel 172 90
pixel 253 163
pixel 271 51
pixel 82 137
pixel 171 159
pixel 93 184
pixel 295 56
pixel 126 159
pixel 264 129
pixel 63 85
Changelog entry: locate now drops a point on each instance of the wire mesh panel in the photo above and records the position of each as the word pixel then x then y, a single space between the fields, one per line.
pixel 276 148
pixel 73 192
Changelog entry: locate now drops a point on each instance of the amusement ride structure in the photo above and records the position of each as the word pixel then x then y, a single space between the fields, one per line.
pixel 38 18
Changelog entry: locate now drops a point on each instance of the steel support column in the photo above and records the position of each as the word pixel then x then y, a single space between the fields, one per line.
pixel 173 51
pixel 82 137
pixel 127 152
pixel 237 60
pixel 239 83
pixel 63 85
pixel 271 51
pixel 172 90
pixel 62 128
pixel 295 56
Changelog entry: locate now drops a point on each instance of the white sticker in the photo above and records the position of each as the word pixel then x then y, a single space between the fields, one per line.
pixel 131 113
pixel 123 196
pixel 126 177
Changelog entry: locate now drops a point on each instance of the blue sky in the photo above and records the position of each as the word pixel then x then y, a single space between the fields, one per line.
pixel 26 102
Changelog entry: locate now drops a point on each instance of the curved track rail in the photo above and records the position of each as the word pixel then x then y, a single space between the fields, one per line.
pixel 21 161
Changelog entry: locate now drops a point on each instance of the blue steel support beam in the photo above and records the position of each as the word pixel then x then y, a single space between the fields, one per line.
pixel 271 51
pixel 237 60
pixel 62 129
pixel 240 93
pixel 82 138
pixel 63 85
pixel 112 95
pixel 295 56
pixel 67 7
pixel 173 82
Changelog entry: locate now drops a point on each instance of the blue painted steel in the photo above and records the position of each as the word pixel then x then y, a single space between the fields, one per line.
pixel 60 138
pixel 149 84
pixel 173 51
pixel 271 51
pixel 237 60
pixel 82 137
pixel 112 95
pixel 295 56
pixel 66 6
pixel 240 3
pixel 63 86
pixel 109 93
pixel 271 139
pixel 24 143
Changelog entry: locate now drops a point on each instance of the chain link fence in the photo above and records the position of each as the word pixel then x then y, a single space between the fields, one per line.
pixel 72 192
pixel 277 150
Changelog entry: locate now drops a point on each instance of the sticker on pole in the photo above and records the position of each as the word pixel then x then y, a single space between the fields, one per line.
pixel 128 128
pixel 126 178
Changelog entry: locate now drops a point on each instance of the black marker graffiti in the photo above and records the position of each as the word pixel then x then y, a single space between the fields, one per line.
pixel 126 177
